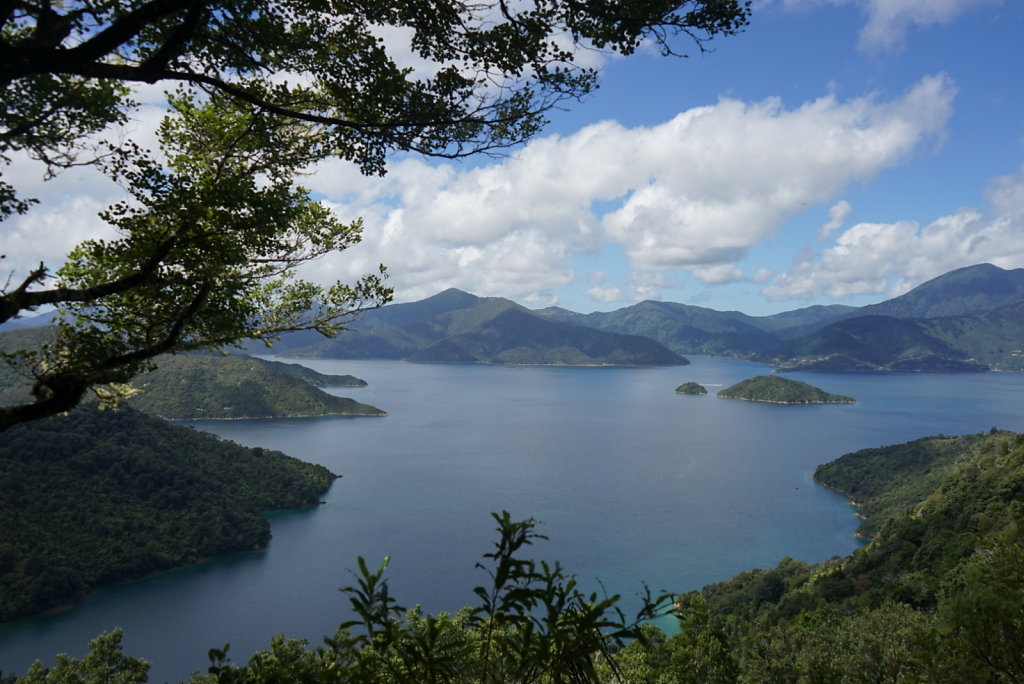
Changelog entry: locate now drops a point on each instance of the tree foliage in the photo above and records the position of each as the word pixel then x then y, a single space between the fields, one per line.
pixel 214 226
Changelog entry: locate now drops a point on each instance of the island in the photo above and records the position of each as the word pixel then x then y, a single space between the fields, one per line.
pixel 691 388
pixel 776 390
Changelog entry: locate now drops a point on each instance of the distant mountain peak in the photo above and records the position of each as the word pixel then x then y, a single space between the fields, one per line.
pixel 964 291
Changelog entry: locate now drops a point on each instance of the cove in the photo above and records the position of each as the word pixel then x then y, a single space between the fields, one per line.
pixel 632 483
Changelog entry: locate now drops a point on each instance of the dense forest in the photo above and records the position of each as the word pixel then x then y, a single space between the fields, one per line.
pixel 936 596
pixel 98 497
pixel 777 390
pixel 216 386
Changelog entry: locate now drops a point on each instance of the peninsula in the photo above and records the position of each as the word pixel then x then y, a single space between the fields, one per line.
pixel 776 390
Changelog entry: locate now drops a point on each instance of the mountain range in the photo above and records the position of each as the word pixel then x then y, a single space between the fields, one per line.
pixel 458 327
pixel 970 319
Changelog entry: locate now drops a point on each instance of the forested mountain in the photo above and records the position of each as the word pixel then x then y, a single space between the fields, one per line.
pixel 970 319
pixel 97 497
pixel 964 292
pixel 215 386
pixel 518 337
pixel 683 328
pixel 689 329
pixel 876 343
pixel 457 327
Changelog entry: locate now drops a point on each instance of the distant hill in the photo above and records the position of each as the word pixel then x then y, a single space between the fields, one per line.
pixel 967 320
pixel 457 327
pixel 963 292
pixel 313 377
pixel 970 319
pixel 683 328
pixel 874 343
pixel 98 497
pixel 776 390
pixel 214 386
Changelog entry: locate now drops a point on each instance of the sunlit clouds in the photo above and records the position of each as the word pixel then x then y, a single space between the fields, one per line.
pixel 694 193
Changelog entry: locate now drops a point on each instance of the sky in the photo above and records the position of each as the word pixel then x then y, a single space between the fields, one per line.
pixel 838 151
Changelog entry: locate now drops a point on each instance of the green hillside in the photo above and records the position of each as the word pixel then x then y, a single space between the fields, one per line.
pixel 457 327
pixel 937 596
pixel 213 386
pixel 886 481
pixel 313 377
pixel 518 337
pixel 777 390
pixel 98 497
pixel 962 292
pixel 691 388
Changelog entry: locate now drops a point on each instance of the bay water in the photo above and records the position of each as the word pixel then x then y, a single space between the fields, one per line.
pixel 632 483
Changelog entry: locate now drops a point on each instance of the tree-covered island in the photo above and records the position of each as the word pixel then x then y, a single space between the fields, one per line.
pixel 777 390
pixel 691 388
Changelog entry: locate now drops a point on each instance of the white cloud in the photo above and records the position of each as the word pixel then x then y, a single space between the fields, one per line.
pixel 644 285
pixel 695 192
pixel 889 258
pixel 837 216
pixel 888 21
pixel 605 294
pixel 726 177
pixel 719 274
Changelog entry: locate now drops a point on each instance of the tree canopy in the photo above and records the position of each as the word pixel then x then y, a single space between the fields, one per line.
pixel 213 224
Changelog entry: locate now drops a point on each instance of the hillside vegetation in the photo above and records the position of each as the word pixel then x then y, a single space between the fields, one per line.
pixel 214 386
pixel 968 320
pixel 98 497
pixel 777 390
pixel 457 327
pixel 691 388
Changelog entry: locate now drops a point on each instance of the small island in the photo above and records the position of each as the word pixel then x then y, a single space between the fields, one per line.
pixel 691 388
pixel 776 390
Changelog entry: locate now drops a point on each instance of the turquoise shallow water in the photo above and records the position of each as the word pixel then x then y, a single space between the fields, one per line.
pixel 633 483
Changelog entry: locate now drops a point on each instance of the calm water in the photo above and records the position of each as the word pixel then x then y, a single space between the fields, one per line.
pixel 632 482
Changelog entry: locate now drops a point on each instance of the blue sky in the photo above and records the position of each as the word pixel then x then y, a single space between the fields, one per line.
pixel 839 151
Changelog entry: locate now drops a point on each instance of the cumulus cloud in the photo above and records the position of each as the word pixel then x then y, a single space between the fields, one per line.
pixel 605 294
pixel 888 21
pixel 837 216
pixel 888 258
pixel 695 193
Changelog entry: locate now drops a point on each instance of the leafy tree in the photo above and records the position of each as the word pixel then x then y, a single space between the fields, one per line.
pixel 213 231
pixel 532 624
pixel 105 663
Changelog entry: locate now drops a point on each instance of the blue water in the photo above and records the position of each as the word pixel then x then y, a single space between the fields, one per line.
pixel 633 483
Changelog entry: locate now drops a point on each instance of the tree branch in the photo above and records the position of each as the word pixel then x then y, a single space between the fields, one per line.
pixel 20 299
pixel 127 27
